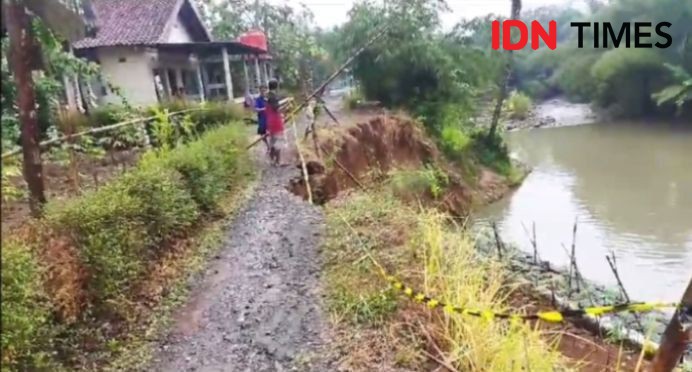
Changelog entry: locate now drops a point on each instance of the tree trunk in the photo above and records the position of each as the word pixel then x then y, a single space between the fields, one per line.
pixel 21 45
pixel 675 339
pixel 504 84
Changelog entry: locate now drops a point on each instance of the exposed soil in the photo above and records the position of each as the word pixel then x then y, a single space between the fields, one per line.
pixel 353 155
pixel 258 306
pixel 587 351
pixel 368 148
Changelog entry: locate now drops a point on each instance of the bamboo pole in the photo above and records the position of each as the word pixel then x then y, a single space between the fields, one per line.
pixel 306 177
pixel 92 131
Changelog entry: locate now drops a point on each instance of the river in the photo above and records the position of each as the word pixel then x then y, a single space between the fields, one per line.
pixel 629 186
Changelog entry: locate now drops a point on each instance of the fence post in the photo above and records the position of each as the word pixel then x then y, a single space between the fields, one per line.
pixel 675 338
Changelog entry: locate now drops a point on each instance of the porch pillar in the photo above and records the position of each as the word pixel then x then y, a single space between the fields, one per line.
pixel 166 83
pixel 69 92
pixel 266 72
pixel 200 82
pixel 258 76
pixel 247 76
pixel 179 79
pixel 78 93
pixel 227 73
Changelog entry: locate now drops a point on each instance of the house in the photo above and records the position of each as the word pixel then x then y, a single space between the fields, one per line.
pixel 153 50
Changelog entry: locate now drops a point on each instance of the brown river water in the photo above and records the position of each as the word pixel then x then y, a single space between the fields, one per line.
pixel 629 185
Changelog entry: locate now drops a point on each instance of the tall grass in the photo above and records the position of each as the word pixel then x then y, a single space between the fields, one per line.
pixel 456 274
pixel 421 248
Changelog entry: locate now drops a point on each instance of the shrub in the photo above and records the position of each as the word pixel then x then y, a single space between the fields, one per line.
pixel 454 142
pixel 208 166
pixel 25 310
pixel 491 152
pixel 119 227
pixel 216 113
pixel 519 105
pixel 110 114
pixel 626 78
pixel 428 180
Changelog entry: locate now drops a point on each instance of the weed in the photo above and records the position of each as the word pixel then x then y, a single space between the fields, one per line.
pixel 518 105
pixel 11 169
pixel 429 180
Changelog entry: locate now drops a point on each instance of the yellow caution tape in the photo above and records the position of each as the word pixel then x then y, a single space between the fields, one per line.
pixel 552 316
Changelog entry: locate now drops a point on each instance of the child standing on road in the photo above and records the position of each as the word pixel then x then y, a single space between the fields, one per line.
pixel 260 108
pixel 275 123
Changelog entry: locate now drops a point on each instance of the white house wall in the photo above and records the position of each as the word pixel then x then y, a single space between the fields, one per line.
pixel 178 33
pixel 129 69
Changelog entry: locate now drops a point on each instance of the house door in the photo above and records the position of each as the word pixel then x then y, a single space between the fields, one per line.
pixel 172 81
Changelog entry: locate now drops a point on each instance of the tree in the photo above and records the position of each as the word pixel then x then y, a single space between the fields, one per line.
pixel 21 46
pixel 290 34
pixel 24 52
pixel 504 84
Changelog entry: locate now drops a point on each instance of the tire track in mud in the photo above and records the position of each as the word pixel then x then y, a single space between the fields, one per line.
pixel 257 307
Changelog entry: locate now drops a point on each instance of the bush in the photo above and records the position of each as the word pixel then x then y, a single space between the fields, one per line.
pixel 519 105
pixel 208 166
pixel 126 224
pixel 216 113
pixel 574 78
pixel 428 180
pixel 25 310
pixel 492 152
pixel 110 114
pixel 626 78
pixel 119 227
pixel 454 142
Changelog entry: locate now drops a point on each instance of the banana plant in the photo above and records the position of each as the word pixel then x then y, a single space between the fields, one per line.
pixel 678 93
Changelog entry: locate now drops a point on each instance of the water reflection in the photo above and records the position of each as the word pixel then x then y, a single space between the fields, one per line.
pixel 630 187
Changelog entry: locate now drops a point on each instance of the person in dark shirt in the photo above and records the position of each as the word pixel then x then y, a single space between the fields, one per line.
pixel 260 108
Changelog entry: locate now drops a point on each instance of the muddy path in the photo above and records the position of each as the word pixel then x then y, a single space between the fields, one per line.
pixel 257 307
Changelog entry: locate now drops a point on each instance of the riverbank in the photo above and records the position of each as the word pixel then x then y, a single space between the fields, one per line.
pixel 557 112
pixel 383 155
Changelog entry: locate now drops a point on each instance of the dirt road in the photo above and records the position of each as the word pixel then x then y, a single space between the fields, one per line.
pixel 258 306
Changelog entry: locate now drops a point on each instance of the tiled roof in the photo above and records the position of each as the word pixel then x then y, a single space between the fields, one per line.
pixel 129 22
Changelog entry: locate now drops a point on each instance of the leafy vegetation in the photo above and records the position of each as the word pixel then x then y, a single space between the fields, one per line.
pixel 293 43
pixel 623 80
pixel 518 105
pixel 25 310
pixel 438 77
pixel 115 233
